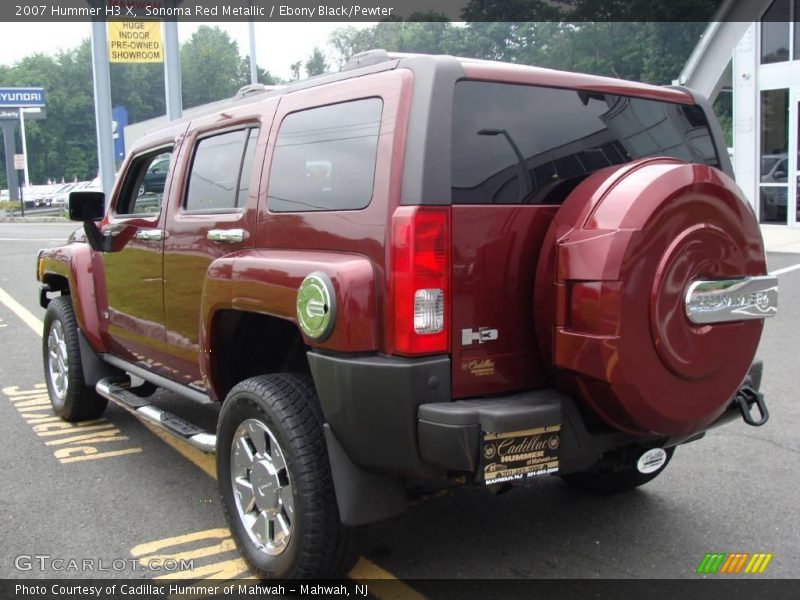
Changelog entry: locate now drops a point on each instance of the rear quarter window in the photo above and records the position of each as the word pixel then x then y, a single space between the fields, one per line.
pixel 325 158
pixel 521 144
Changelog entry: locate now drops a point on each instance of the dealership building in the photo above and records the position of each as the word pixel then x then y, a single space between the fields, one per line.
pixel 758 62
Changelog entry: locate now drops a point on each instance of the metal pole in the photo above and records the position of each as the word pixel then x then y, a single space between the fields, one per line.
pixel 253 65
pixel 102 106
pixel 10 147
pixel 172 71
pixel 21 202
pixel 24 145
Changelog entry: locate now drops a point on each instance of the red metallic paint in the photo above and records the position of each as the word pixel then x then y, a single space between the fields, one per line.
pixel 610 288
pixel 495 251
pixel 78 265
pixel 362 232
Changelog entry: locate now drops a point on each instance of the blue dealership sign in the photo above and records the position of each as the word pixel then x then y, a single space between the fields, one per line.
pixel 119 120
pixel 14 97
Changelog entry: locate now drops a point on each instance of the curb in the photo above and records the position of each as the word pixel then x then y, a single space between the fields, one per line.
pixel 33 220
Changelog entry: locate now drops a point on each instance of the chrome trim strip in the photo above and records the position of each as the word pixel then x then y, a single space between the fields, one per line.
pixel 724 300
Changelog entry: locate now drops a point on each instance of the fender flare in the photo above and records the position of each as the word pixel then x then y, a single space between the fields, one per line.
pixel 78 264
pixel 266 281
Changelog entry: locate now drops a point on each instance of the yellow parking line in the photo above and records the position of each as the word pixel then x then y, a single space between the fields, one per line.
pixel 205 462
pixel 364 569
pixel 23 313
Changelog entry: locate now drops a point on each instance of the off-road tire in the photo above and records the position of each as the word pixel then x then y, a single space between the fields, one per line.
pixel 79 402
pixel 286 403
pixel 606 480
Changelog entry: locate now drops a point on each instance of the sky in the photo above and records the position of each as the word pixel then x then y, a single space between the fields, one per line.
pixel 277 44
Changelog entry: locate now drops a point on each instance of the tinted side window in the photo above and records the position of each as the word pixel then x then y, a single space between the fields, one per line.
pixel 220 173
pixel 247 167
pixel 143 190
pixel 533 145
pixel 325 158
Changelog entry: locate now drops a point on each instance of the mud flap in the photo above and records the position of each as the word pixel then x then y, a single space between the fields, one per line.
pixel 362 497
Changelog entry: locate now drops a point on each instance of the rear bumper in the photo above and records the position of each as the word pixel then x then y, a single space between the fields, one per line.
pixel 395 417
pixel 371 404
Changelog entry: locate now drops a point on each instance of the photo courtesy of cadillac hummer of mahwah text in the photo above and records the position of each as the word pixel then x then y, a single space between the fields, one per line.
pixel 416 274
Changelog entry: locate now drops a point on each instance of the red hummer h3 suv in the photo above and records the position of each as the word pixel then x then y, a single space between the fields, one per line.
pixel 418 273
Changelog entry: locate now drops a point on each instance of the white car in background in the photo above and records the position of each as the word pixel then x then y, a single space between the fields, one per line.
pixel 62 194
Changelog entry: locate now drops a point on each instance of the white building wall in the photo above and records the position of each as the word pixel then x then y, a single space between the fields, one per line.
pixel 745 114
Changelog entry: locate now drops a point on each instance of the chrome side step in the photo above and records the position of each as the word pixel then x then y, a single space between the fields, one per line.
pixel 117 391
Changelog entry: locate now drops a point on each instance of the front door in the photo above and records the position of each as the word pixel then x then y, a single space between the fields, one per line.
pixel 134 311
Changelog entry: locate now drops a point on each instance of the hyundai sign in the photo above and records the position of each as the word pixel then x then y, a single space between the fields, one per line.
pixel 21 97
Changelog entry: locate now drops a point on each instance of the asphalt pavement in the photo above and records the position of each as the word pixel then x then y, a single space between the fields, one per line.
pixel 114 491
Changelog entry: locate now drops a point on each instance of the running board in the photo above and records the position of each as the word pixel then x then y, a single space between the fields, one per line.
pixel 117 391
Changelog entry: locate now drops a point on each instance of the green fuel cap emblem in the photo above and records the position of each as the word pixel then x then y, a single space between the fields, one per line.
pixel 316 306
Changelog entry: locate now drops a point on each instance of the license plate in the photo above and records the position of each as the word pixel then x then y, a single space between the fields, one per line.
pixel 520 454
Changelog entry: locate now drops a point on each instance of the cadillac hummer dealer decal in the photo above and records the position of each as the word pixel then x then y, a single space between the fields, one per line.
pixel 520 454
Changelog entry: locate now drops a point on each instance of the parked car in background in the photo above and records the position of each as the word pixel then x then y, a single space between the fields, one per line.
pixel 156 175
pixel 775 168
pixel 61 195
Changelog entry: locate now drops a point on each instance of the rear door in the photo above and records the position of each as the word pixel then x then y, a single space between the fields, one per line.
pixel 214 214
pixel 517 152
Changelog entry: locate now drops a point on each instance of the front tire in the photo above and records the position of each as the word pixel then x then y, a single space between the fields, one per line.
pixel 71 398
pixel 275 480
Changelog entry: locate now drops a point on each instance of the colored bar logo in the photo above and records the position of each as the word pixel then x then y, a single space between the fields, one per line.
pixel 733 563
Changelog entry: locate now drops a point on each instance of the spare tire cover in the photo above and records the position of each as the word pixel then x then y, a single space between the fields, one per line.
pixel 610 291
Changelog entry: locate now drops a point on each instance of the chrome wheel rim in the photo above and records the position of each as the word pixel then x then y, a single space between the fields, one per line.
pixel 57 360
pixel 262 489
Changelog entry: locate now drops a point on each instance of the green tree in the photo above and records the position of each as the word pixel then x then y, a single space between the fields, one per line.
pixel 63 145
pixel 316 63
pixel 140 88
pixel 295 68
pixel 211 68
pixel 264 76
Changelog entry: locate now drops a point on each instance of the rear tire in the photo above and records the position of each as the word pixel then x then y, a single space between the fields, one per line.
pixel 71 398
pixel 607 479
pixel 275 480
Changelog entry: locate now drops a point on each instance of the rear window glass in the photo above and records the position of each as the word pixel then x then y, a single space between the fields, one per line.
pixel 325 158
pixel 519 144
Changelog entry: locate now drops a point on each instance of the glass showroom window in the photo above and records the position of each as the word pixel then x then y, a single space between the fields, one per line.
pixel 774 156
pixel 776 31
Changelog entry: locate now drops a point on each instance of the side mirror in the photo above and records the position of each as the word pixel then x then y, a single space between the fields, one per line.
pixel 87 206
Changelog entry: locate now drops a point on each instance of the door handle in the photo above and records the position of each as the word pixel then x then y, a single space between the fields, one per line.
pixel 148 235
pixel 226 236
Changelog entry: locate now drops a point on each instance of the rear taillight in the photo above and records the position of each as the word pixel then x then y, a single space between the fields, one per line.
pixel 420 279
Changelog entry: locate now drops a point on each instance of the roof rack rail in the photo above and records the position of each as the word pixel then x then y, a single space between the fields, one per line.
pixel 372 57
pixel 254 88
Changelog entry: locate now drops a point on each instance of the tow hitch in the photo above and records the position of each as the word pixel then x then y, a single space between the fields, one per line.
pixel 745 398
